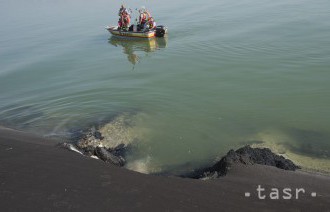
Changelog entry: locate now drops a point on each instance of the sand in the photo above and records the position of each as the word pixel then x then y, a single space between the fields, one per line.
pixel 37 175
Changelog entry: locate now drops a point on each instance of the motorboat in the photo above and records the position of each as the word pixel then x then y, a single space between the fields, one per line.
pixel 132 32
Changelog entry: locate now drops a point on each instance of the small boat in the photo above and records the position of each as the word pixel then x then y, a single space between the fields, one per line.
pixel 160 31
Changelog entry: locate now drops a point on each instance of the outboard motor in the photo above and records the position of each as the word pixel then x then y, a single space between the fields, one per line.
pixel 161 31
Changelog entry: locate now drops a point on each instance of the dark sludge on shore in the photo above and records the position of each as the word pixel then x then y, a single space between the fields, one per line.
pixel 90 144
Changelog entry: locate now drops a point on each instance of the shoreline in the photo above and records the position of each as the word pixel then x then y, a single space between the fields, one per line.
pixel 37 175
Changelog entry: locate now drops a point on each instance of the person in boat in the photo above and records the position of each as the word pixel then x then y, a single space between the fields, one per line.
pixel 124 18
pixel 120 14
pixel 143 18
pixel 122 9
pixel 125 21
pixel 151 24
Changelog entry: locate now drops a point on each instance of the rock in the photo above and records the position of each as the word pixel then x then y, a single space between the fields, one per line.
pixel 89 138
pixel 98 135
pixel 247 156
pixel 107 156
pixel 89 150
pixel 120 150
pixel 91 144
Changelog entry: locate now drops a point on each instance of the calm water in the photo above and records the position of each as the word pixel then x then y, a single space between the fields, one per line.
pixel 229 73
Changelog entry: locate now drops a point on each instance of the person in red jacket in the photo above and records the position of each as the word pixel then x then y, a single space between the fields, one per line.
pixel 125 21
pixel 143 18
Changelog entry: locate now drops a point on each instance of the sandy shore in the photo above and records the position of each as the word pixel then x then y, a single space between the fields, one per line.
pixel 36 175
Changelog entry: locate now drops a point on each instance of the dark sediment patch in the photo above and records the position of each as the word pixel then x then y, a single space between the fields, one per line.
pixel 108 147
pixel 109 156
pixel 90 144
pixel 247 156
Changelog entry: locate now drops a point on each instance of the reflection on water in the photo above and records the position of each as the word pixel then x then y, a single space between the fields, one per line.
pixel 134 48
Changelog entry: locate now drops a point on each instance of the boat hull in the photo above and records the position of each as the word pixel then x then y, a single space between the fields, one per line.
pixel 120 33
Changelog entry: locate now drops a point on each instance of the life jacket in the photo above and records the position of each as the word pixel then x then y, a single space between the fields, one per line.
pixel 126 20
pixel 151 23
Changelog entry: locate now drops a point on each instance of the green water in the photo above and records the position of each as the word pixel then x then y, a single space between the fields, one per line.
pixel 229 73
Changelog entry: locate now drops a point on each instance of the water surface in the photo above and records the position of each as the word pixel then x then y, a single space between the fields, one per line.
pixel 229 73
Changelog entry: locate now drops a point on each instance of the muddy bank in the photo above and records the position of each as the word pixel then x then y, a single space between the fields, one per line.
pixel 37 176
